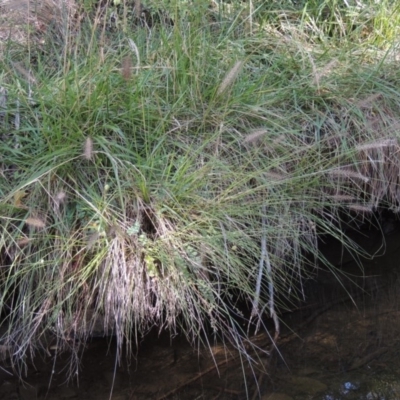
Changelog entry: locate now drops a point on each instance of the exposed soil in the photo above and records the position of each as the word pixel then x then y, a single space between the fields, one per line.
pixel 334 347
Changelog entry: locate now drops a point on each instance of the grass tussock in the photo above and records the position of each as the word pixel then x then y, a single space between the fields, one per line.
pixel 174 174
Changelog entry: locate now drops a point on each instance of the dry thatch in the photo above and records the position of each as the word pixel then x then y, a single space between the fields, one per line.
pixel 23 20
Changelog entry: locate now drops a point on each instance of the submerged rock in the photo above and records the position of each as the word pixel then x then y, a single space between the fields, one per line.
pixel 307 385
pixel 277 396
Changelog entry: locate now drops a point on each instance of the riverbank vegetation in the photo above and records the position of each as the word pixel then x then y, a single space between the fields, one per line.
pixel 174 164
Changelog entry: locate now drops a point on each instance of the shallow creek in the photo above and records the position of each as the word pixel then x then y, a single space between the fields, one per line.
pixel 343 343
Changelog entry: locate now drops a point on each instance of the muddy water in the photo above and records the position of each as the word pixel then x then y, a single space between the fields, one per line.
pixel 343 343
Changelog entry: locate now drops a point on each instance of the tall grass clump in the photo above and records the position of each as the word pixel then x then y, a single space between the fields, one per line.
pixel 178 175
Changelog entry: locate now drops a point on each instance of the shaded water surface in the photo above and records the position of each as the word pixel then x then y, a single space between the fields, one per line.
pixel 336 348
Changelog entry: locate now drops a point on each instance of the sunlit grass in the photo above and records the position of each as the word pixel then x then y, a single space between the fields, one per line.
pixel 178 174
